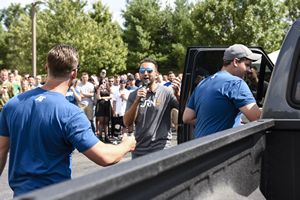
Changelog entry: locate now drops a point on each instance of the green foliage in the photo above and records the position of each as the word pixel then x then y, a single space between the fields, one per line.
pixel 144 31
pixel 150 30
pixel 98 40
pixel 162 34
pixel 251 22
pixel 181 29
pixel 293 9
pixel 2 45
pixel 18 43
pixel 11 14
pixel 112 50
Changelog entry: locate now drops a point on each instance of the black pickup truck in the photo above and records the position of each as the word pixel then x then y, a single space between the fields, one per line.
pixel 258 160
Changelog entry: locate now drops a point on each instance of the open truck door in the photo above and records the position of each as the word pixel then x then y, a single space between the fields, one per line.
pixel 201 62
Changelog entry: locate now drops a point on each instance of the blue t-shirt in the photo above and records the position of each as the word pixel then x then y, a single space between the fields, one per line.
pixel 168 84
pixel 43 128
pixel 216 101
pixel 131 89
pixel 71 97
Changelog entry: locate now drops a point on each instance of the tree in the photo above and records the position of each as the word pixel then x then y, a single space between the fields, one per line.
pixel 96 37
pixel 293 9
pixel 7 17
pixel 144 31
pixel 18 44
pixel 113 49
pixel 12 13
pixel 251 22
pixel 181 29
pixel 160 33
pixel 2 45
pixel 98 40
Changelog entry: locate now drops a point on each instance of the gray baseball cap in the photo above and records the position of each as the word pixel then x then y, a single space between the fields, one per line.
pixel 240 51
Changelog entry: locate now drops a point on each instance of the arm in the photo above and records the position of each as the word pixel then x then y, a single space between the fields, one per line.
pixel 4 146
pixel 176 84
pixel 76 95
pixel 131 112
pixel 124 97
pixel 189 116
pixel 108 154
pixel 87 94
pixel 251 111
pixel 98 96
pixel 106 98
pixel 4 94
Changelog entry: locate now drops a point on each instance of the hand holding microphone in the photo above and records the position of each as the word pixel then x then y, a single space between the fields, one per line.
pixel 142 92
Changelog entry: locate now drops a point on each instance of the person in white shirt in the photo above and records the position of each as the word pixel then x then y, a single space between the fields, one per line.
pixel 116 85
pixel 87 91
pixel 114 89
pixel 119 106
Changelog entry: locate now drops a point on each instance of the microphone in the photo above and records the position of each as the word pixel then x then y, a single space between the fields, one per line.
pixel 145 85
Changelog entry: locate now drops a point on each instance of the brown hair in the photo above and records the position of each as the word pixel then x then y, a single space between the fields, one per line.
pixel 62 59
pixel 149 60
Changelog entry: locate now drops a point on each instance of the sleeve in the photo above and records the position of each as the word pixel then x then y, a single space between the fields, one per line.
pixel 191 101
pixel 240 94
pixel 79 132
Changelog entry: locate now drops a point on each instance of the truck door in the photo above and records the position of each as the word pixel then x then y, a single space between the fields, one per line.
pixel 201 62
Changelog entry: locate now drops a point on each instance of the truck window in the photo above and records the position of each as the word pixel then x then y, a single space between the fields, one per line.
pixel 297 92
pixel 296 86
pixel 293 95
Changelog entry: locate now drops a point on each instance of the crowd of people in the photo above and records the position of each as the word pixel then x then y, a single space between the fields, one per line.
pixel 103 98
pixel 42 121
pixel 40 128
pixel 136 112
pixel 12 83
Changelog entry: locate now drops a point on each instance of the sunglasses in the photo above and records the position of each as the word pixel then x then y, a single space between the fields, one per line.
pixel 143 70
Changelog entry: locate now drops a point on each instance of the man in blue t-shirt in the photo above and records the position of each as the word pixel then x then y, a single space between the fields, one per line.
pixel 217 101
pixel 171 78
pixel 40 129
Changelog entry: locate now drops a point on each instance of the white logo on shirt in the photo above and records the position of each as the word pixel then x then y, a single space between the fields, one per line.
pixel 147 103
pixel 40 98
